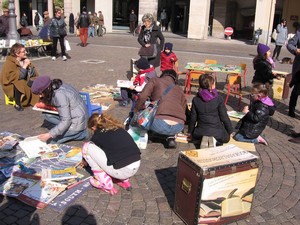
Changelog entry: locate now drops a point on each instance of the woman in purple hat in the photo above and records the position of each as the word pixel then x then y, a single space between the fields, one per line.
pixel 71 121
pixel 263 65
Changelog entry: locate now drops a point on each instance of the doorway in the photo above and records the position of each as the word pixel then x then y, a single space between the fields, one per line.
pixel 121 11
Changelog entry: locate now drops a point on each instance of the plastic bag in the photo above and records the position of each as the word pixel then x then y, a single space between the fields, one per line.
pixel 139 136
pixel 274 35
pixel 67 45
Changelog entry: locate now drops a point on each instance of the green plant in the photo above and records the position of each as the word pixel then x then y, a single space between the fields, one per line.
pixel 5 4
pixel 59 3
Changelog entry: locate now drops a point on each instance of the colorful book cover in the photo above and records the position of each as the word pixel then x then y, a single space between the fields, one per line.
pixel 41 194
pixel 74 155
pixel 17 183
pixel 61 174
pixel 124 83
pixel 49 155
pixel 7 143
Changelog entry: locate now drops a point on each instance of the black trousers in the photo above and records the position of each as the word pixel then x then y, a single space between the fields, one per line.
pixel 294 97
pixel 61 40
pixel 277 51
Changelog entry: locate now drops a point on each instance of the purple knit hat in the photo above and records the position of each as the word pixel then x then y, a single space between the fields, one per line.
pixel 262 49
pixel 40 84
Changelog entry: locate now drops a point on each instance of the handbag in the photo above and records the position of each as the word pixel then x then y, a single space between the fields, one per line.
pixel 274 35
pixel 145 118
pixel 148 52
pixel 67 45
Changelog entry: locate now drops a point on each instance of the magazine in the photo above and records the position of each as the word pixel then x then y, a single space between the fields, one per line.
pixel 41 194
pixel 124 83
pixel 17 183
pixel 74 155
pixel 34 147
pixel 7 143
pixel 62 174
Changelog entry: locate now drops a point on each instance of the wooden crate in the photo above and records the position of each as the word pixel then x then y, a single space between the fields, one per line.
pixel 215 185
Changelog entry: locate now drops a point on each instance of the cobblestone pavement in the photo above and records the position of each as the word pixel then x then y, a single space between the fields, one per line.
pixel 152 198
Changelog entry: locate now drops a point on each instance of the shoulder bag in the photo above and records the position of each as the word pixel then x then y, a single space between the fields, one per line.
pixel 144 118
pixel 148 52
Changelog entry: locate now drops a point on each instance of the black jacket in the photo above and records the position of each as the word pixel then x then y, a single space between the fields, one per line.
pixel 119 147
pixel 84 20
pixel 263 71
pixel 155 34
pixel 255 121
pixel 210 119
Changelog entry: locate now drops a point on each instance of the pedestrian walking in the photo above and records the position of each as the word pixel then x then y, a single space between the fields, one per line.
pixel 24 19
pixel 4 27
pixel 101 23
pixel 282 35
pixel 83 26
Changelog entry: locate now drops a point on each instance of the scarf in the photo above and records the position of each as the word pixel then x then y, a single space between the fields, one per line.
pixel 146 70
pixel 267 101
pixel 207 95
pixel 147 34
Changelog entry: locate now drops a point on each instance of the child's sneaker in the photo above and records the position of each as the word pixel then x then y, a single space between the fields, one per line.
pixel 123 183
pixel 262 140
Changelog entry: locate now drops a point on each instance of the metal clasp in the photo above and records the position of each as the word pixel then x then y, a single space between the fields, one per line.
pixel 186 186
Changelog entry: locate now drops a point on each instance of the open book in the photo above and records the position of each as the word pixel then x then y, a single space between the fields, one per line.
pixel 124 83
pixel 236 114
pixel 34 147
pixel 45 108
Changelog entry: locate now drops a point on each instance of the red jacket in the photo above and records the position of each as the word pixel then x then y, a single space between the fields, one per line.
pixel 167 61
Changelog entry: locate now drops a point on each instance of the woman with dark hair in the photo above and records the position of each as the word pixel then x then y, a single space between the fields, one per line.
pixel 16 77
pixel 170 116
pixel 208 113
pixel 71 121
pixel 57 31
pixel 149 35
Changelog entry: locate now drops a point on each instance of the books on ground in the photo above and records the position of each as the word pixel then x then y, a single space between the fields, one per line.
pixel 61 174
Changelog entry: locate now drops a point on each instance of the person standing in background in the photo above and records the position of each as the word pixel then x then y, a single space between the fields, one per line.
pixel 132 21
pixel 282 35
pixel 4 28
pixel 57 31
pixel 91 30
pixel 71 23
pixel 294 47
pixel 164 20
pixel 101 23
pixel 83 26
pixel 96 24
pixel 36 21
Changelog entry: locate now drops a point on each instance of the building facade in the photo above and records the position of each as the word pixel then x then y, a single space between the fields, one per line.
pixel 193 18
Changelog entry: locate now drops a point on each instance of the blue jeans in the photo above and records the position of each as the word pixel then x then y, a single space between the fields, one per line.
pixel 161 127
pixel 240 137
pixel 68 135
pixel 91 31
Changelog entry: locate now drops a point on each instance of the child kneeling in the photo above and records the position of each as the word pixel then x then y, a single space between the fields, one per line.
pixel 112 154
pixel 256 117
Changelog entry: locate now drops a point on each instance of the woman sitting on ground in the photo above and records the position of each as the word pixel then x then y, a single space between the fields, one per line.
pixel 16 77
pixel 112 154
pixel 208 113
pixel 71 121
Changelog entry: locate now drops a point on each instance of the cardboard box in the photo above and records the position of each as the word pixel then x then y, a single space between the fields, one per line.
pixel 215 185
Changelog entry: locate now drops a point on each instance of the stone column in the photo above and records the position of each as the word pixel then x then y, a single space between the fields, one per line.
pixel 220 12
pixel 106 7
pixel 147 6
pixel 50 8
pixel 264 16
pixel 198 19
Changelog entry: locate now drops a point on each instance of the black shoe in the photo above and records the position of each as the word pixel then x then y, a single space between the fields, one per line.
pixel 292 114
pixel 18 108
pixel 171 143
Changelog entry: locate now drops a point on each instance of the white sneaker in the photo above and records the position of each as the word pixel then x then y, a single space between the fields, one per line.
pixel 53 58
pixel 64 58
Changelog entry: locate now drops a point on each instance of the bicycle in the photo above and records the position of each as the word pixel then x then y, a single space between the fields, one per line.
pixel 103 30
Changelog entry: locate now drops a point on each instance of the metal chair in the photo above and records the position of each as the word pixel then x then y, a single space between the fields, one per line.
pixel 244 71
pixel 90 107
